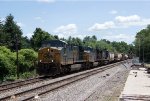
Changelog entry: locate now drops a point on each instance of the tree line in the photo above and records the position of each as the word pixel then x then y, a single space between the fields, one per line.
pixel 142 44
pixel 11 35
pixel 10 31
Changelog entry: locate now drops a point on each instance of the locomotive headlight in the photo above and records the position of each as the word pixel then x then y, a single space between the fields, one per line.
pixel 48 50
pixel 40 60
pixel 52 60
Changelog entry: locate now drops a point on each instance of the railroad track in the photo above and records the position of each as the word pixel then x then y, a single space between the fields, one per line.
pixel 31 94
pixel 14 85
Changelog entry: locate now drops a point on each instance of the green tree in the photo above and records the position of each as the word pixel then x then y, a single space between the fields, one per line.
pixel 7 62
pixel 142 44
pixel 104 45
pixel 74 41
pixel 56 37
pixel 1 33
pixel 94 38
pixel 121 47
pixel 90 41
pixel 25 42
pixel 69 41
pixel 11 32
pixel 27 58
pixel 38 37
pixel 107 41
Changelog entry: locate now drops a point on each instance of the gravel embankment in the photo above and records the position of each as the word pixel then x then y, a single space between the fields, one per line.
pixel 112 89
pixel 105 86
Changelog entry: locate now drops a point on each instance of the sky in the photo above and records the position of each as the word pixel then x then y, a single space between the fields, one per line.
pixel 114 20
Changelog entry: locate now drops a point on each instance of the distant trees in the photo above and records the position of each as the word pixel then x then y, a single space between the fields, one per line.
pixel 74 41
pixel 121 46
pixel 1 33
pixel 39 36
pixel 11 32
pixel 25 42
pixel 142 44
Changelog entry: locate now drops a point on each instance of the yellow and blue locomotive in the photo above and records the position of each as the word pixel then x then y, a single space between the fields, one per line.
pixel 56 57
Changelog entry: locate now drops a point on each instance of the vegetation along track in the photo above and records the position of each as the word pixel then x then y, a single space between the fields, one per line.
pixel 31 93
pixel 13 85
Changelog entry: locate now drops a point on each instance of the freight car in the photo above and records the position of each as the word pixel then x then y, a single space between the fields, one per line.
pixel 118 57
pixel 57 57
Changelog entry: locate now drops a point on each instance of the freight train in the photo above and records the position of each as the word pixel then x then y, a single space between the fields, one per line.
pixel 57 57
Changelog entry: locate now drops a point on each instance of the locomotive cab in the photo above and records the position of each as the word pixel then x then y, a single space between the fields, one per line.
pixel 49 57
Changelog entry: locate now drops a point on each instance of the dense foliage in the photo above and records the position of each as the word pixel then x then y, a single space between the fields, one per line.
pixel 7 62
pixel 142 45
pixel 27 58
pixel 38 37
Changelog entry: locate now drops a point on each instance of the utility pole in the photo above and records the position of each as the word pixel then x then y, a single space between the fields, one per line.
pixel 17 56
pixel 143 49
pixel 139 49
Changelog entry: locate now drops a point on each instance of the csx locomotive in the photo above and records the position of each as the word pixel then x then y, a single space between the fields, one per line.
pixel 56 57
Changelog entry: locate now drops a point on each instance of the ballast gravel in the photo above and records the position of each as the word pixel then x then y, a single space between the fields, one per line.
pixel 104 86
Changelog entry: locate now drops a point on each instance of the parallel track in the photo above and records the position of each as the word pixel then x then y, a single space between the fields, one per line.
pixel 45 88
pixel 13 85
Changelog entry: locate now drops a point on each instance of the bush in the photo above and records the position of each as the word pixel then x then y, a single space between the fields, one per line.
pixel 27 75
pixel 27 57
pixel 10 78
pixel 7 62
pixel 26 60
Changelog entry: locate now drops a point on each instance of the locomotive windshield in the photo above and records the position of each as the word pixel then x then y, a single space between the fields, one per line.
pixel 54 43
pixel 88 49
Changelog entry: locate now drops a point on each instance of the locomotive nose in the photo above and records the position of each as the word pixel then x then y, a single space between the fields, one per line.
pixel 48 60
pixel 48 57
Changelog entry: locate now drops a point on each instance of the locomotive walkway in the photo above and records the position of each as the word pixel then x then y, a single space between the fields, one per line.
pixel 137 86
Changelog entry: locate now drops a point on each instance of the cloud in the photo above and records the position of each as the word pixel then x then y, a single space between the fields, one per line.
pixel 46 1
pixel 120 37
pixel 142 22
pixel 132 20
pixel 20 24
pixel 103 26
pixel 70 28
pixel 65 31
pixel 113 12
pixel 66 36
pixel 121 22
pixel 127 19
